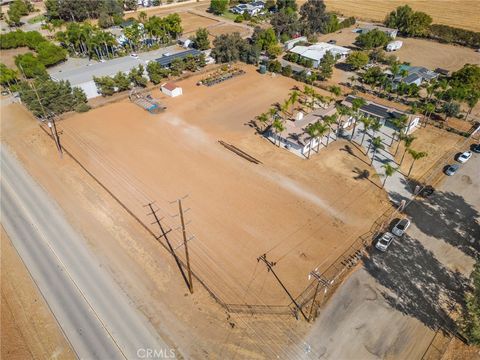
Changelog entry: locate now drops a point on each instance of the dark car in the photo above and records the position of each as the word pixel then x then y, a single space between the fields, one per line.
pixel 452 169
pixel 476 148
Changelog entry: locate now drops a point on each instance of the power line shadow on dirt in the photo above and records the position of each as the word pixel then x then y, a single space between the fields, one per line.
pixel 417 284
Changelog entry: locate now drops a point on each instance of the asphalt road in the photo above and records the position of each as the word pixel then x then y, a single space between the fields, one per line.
pixel 95 315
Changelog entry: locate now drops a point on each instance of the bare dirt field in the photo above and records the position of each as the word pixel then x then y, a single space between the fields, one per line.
pixel 303 213
pixel 8 56
pixel 228 28
pixel 28 328
pixel 435 142
pixel 463 14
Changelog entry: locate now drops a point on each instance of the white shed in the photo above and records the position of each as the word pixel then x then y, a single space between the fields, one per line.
pixel 171 89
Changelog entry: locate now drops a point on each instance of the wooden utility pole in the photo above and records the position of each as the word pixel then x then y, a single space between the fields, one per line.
pixel 320 281
pixel 53 129
pixel 270 266
pixel 164 235
pixel 184 234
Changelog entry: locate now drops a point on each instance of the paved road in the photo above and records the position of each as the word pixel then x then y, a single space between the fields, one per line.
pixel 93 312
pixel 392 306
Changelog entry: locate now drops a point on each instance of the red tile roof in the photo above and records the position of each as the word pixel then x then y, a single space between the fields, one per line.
pixel 169 86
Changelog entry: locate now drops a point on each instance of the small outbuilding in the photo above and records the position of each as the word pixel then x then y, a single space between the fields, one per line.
pixel 171 89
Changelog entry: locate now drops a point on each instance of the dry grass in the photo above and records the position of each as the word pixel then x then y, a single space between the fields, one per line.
pixel 463 14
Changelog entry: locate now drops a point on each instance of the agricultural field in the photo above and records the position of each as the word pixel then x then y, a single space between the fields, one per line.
pixel 462 14
pixel 302 214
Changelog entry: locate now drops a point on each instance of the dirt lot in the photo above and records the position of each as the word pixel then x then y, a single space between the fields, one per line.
pixel 228 28
pixel 435 142
pixel 418 52
pixel 463 14
pixel 304 214
pixel 28 328
pixel 8 56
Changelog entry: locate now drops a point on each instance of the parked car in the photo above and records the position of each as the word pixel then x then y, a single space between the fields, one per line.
pixel 333 42
pixel 133 55
pixel 384 241
pixel 400 227
pixel 476 148
pixel 451 169
pixel 464 157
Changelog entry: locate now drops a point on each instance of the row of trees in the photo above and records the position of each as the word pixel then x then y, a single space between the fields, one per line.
pixel 80 10
pixel 417 23
pixel 470 321
pixel 47 53
pixel 231 47
pixel 56 97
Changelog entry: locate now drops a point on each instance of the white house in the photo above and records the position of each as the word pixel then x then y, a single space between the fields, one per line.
pixel 291 43
pixel 172 90
pixel 317 51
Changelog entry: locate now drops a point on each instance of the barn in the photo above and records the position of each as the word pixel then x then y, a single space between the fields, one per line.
pixel 171 89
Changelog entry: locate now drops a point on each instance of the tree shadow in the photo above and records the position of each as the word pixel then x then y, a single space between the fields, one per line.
pixel 417 284
pixel 447 216
pixel 363 175
pixel 349 150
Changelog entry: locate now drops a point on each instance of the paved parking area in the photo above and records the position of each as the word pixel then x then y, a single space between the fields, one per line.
pixel 392 306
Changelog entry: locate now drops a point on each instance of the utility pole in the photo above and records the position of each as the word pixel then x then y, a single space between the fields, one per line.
pixel 164 235
pixel 320 281
pixel 184 235
pixel 270 266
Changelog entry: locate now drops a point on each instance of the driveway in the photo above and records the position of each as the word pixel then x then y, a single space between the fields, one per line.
pixel 392 306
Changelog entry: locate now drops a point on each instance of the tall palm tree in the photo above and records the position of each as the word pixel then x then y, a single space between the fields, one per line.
pixel 329 121
pixel 312 131
pixel 375 126
pixel 366 121
pixel 321 131
pixel 428 110
pixel 416 155
pixel 342 111
pixel 293 98
pixel 278 126
pixel 357 103
pixel 376 144
pixel 308 91
pixel 389 171
pixel 407 140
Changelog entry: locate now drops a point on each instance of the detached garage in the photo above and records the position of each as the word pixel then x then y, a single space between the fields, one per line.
pixel 170 89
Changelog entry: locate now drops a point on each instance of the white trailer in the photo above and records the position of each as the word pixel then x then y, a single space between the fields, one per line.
pixel 394 45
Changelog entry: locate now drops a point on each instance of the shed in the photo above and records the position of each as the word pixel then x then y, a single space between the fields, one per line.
pixel 171 89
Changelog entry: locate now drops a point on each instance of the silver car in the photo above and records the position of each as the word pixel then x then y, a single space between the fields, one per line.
pixel 384 241
pixel 401 226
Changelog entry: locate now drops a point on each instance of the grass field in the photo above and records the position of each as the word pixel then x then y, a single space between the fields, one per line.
pixel 463 14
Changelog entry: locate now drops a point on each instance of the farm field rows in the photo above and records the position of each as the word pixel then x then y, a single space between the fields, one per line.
pixel 463 14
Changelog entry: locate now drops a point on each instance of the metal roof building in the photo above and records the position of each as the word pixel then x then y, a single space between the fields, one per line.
pixel 166 61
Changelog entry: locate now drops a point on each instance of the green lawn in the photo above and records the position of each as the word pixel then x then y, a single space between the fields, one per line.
pixel 36 19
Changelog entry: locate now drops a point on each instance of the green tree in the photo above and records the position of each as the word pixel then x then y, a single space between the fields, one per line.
pixel 285 23
pixel 156 72
pixel 366 122
pixel 450 109
pixel 376 144
pixel 50 54
pixel 131 4
pixel 278 126
pixel 470 321
pixel 136 76
pixel 372 39
pixel 407 141
pixel 357 59
pixel 389 171
pixel 409 22
pixel 122 82
pixel 287 71
pixel 201 41
pixel 335 90
pixel 264 38
pixel 17 9
pixel 326 65
pixel 8 77
pixel 218 7
pixel 30 66
pixel 416 155
pixel 313 14
pixel 105 85
pixel 357 104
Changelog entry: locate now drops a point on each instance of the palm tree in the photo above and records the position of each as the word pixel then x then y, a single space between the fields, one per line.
pixel 278 126
pixel 357 103
pixel 329 121
pixel 400 124
pixel 312 131
pixel 366 121
pixel 353 80
pixel 416 155
pixel 407 140
pixel 263 119
pixel 342 111
pixel 389 171
pixel 321 130
pixel 472 100
pixel 376 144
pixel 293 98
pixel 335 90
